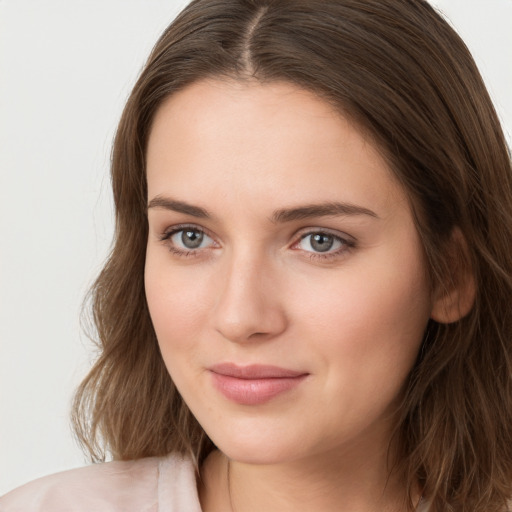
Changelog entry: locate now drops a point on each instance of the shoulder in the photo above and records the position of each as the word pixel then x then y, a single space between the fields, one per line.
pixel 127 486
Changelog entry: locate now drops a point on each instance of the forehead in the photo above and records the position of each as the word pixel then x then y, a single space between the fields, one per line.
pixel 268 141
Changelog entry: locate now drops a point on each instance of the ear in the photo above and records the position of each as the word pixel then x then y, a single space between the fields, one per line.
pixel 454 298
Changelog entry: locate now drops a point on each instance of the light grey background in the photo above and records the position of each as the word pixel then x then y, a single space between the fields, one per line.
pixel 66 68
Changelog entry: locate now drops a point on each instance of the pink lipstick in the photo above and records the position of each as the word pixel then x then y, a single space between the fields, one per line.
pixel 254 384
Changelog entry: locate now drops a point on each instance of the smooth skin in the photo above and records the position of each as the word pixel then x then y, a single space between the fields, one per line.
pixel 278 236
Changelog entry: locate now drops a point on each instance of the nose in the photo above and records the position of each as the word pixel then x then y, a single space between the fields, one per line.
pixel 249 307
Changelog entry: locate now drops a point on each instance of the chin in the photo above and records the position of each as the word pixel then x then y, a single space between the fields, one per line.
pixel 257 449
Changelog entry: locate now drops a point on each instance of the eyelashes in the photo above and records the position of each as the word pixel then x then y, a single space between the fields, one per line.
pixel 321 243
pixel 188 241
pixel 189 238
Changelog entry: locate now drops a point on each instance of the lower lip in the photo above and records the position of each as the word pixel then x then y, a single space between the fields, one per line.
pixel 254 391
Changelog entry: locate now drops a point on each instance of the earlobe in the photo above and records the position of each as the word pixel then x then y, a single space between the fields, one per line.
pixel 454 299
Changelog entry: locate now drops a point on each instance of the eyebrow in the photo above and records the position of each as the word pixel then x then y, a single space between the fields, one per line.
pixel 329 209
pixel 178 206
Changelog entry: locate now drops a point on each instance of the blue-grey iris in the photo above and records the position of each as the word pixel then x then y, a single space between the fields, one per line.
pixel 192 239
pixel 322 242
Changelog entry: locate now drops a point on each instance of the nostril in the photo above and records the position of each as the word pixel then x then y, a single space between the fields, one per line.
pixel 258 335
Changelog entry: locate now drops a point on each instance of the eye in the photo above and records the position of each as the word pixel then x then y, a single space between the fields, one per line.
pixel 319 242
pixel 189 239
pixel 183 240
pixel 323 244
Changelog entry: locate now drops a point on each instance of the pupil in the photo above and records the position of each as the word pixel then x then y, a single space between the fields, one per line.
pixel 322 242
pixel 192 239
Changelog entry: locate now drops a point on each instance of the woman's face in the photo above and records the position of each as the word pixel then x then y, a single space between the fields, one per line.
pixel 284 275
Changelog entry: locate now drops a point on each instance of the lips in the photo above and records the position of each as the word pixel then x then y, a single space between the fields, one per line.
pixel 254 384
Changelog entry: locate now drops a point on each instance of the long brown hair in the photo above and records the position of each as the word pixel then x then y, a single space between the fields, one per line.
pixel 397 70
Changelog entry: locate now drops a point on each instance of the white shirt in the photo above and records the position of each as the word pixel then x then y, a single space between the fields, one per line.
pixel 146 485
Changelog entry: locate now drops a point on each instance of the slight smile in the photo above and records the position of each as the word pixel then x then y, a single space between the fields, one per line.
pixel 254 384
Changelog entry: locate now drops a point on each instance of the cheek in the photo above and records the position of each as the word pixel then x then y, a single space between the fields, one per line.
pixel 177 302
pixel 369 318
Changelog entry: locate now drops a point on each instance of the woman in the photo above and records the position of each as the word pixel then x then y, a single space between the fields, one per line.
pixel 307 303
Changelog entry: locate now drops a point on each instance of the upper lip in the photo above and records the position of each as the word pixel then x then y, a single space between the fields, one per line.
pixel 254 371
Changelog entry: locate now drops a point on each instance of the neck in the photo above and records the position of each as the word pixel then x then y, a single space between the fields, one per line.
pixel 336 482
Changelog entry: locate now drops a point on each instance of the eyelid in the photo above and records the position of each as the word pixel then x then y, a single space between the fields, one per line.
pixel 302 233
pixel 175 228
pixel 348 243
pixel 183 252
